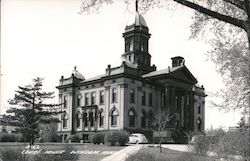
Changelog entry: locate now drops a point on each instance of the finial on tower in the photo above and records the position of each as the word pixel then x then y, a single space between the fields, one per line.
pixel 136 5
pixel 75 67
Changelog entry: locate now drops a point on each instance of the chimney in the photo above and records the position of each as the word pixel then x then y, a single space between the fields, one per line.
pixel 177 61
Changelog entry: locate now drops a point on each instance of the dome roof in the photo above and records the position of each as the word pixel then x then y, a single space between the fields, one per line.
pixel 138 20
pixel 77 74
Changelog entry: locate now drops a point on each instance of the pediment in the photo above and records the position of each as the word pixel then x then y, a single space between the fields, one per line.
pixel 180 74
pixel 183 74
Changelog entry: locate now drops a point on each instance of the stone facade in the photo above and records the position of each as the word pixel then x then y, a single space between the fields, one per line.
pixel 129 96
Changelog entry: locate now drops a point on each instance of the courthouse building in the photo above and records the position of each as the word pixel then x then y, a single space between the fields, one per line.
pixel 129 96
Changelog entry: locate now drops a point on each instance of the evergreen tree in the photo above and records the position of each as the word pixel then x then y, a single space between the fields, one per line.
pixel 30 109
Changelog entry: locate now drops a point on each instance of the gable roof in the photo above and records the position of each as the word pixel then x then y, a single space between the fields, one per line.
pixel 161 72
pixel 179 71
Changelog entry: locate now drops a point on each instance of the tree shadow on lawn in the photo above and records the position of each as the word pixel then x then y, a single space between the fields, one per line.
pixel 153 154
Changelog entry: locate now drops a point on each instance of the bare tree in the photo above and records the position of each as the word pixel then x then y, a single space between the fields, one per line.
pixel 225 24
pixel 160 125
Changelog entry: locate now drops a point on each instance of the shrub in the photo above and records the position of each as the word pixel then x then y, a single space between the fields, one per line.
pixel 12 154
pixel 48 133
pixel 116 138
pixel 54 137
pixel 73 138
pixel 123 137
pixel 98 138
pixel 199 144
pixel 19 137
pixel 7 137
pixel 234 143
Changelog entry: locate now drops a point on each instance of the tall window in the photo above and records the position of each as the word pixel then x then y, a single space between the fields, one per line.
pixel 199 108
pixel 86 99
pixel 176 102
pixel 150 116
pixel 127 45
pixel 131 45
pixel 79 97
pixel 78 119
pixel 101 97
pixel 131 115
pixel 64 120
pixel 143 98
pixel 85 119
pixel 163 98
pixel 91 119
pixel 132 96
pixel 92 98
pixel 150 99
pixel 101 118
pixel 143 119
pixel 65 102
pixel 114 95
pixel 114 116
pixel 142 46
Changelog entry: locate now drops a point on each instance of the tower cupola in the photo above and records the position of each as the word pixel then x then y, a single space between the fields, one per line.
pixel 136 37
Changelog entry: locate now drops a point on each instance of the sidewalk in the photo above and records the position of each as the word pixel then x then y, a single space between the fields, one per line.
pixel 124 153
pixel 177 147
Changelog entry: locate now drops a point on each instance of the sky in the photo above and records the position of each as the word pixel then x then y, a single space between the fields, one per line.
pixel 47 38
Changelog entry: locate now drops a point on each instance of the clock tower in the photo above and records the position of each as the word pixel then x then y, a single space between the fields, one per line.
pixel 136 38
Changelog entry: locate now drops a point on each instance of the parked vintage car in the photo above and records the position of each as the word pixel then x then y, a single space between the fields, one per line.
pixel 137 138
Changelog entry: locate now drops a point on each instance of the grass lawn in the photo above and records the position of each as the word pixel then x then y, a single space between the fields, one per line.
pixel 153 154
pixel 85 152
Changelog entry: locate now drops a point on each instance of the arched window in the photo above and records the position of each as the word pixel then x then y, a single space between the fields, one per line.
pixel 114 116
pixel 78 119
pixel 79 97
pixel 101 118
pixel 131 115
pixel 91 119
pixel 64 120
pixel 143 119
pixel 85 119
